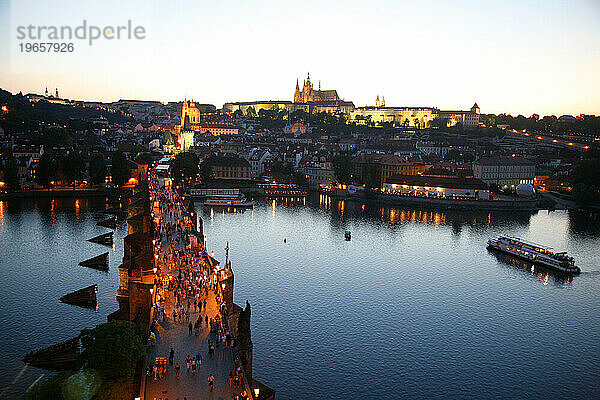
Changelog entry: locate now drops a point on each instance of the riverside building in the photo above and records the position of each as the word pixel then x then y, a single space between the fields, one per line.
pixel 437 186
pixel 504 171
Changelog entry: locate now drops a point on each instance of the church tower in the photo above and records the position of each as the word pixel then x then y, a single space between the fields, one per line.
pixel 377 104
pixel 307 90
pixel 184 112
pixel 187 134
pixel 297 93
pixel 475 109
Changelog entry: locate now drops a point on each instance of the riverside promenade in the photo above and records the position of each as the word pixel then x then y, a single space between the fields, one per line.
pixel 187 277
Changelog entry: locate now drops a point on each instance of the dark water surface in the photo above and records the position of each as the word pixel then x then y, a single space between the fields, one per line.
pixel 41 243
pixel 414 306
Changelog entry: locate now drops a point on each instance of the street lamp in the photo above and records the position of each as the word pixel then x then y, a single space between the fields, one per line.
pixel 256 392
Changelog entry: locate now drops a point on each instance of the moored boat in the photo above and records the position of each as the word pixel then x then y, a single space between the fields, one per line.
pixel 228 202
pixel 536 253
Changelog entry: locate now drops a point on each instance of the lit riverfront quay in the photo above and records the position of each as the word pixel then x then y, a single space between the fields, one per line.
pixel 276 201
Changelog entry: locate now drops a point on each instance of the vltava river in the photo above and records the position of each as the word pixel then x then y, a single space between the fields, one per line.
pixel 414 306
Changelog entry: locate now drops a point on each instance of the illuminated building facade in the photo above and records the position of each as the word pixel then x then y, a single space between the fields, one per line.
pixel 504 171
pixel 419 117
pixel 468 119
pixel 190 110
pixel 309 94
pixel 229 167
pixel 437 186
pixel 187 135
pixel 312 100
pixel 377 168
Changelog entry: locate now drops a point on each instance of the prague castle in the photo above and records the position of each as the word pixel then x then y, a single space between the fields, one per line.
pixel 314 100
pixel 308 94
pixel 307 99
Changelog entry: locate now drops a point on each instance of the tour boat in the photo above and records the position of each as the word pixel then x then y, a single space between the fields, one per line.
pixel 536 253
pixel 228 202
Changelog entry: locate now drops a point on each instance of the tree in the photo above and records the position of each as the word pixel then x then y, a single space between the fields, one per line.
pixel 56 137
pixel 46 170
pixel 11 174
pixel 185 166
pixel 119 170
pixel 585 195
pixel 586 183
pixel 458 156
pixel 300 179
pixel 440 123
pixel 97 169
pixel 73 167
pixel 277 167
pixel 113 349
pixel 251 112
pixel 371 176
pixel 237 114
pixel 50 389
pixel 206 173
pixel 342 165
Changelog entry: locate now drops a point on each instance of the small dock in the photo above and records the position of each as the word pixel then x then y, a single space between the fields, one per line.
pixel 99 262
pixel 105 239
pixel 85 297
pixel 61 356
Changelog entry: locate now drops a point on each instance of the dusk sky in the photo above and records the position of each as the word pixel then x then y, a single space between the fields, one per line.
pixel 517 57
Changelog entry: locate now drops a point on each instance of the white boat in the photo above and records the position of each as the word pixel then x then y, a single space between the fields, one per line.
pixel 228 202
pixel 536 253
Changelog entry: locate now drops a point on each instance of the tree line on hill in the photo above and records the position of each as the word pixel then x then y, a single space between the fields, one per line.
pixel 584 125
pixel 23 115
pixel 71 168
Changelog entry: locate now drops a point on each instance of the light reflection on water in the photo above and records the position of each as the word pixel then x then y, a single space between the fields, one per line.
pixel 414 306
pixel 41 243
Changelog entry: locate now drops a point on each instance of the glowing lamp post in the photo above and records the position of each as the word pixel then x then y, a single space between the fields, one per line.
pixel 256 392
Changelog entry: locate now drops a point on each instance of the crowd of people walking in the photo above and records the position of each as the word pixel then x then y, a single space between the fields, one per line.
pixel 187 295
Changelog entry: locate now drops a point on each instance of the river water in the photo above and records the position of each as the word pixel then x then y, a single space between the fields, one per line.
pixel 414 306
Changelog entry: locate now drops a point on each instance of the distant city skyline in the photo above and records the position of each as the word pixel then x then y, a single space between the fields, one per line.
pixel 515 57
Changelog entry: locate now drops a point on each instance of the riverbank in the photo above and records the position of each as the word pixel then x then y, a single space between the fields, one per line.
pixel 439 203
pixel 65 193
